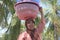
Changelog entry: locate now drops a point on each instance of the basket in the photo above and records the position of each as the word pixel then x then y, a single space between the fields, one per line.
pixel 25 10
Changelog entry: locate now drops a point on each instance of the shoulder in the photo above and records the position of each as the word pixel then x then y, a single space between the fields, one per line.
pixel 21 35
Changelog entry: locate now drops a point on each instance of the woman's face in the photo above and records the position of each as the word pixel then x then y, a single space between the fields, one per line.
pixel 30 25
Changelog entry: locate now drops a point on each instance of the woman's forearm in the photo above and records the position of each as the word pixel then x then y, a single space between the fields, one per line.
pixel 42 23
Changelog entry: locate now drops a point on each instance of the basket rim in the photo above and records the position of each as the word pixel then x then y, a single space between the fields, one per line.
pixel 28 3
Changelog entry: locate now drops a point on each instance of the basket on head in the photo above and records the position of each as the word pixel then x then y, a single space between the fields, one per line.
pixel 25 10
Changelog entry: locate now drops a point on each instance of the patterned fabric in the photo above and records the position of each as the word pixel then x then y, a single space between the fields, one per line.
pixel 37 1
pixel 26 36
pixel 18 0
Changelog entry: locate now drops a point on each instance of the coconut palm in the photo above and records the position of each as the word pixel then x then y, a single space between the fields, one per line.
pixel 54 16
pixel 9 21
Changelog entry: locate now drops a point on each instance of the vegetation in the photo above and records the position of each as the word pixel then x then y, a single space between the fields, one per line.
pixel 11 26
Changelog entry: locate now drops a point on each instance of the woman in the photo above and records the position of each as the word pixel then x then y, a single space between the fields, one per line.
pixel 31 32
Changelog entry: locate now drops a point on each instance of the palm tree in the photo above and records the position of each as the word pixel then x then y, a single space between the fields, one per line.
pixel 53 17
pixel 9 20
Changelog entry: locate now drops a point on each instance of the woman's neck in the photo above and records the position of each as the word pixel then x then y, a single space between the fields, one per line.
pixel 31 33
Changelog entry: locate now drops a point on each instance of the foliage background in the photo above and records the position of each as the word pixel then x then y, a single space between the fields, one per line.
pixel 11 26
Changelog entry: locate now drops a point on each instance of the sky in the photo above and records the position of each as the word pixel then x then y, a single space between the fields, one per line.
pixel 58 2
pixel 2 31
